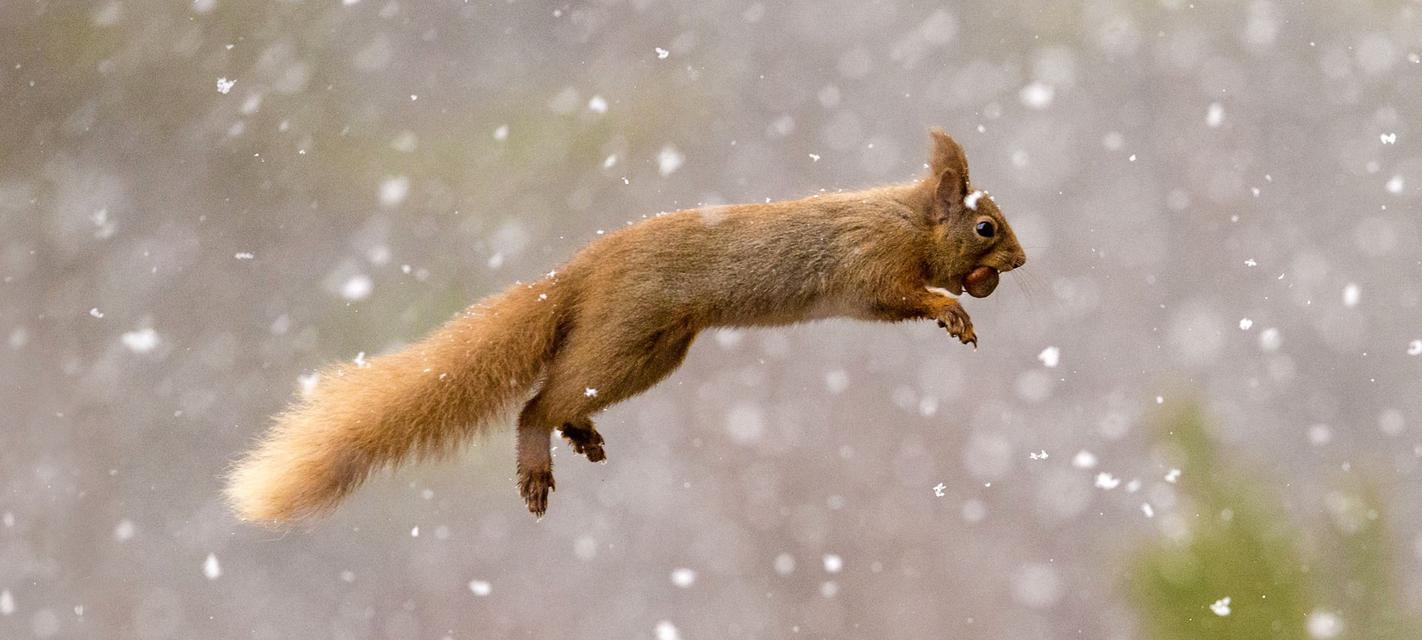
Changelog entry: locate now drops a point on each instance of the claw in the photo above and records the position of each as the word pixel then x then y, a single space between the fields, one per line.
pixel 534 488
pixel 585 441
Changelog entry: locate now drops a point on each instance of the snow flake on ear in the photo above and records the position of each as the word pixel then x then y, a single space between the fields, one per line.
pixel 590 392
pixel 971 200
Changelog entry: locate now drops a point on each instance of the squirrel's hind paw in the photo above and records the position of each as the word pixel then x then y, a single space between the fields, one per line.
pixel 534 487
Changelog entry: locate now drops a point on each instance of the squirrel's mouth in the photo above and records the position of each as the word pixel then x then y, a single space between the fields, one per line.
pixel 980 282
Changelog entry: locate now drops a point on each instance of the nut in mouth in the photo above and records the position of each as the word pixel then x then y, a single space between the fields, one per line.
pixel 980 282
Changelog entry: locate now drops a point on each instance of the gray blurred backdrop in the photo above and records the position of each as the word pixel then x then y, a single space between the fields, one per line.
pixel 201 202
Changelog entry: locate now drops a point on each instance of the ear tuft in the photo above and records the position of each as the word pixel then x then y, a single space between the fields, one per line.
pixel 947 154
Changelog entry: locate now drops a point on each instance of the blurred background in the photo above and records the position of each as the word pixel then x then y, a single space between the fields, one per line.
pixel 1196 414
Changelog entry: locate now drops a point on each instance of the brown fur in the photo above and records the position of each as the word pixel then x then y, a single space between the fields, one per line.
pixel 617 319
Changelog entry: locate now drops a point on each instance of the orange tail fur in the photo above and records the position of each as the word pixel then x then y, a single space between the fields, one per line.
pixel 419 402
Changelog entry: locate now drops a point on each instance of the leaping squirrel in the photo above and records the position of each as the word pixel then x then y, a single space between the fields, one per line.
pixel 619 317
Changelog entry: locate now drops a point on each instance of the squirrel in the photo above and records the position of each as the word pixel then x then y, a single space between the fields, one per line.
pixel 619 317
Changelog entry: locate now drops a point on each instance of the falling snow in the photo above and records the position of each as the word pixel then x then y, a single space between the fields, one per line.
pixel 669 160
pixel 140 340
pixel 175 266
pixel 1214 115
pixel 211 568
pixel 683 578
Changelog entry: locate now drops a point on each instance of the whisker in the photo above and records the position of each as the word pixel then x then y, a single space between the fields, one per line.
pixel 1034 289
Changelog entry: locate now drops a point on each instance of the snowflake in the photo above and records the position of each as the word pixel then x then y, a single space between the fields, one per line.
pixel 141 340
pixel 1221 607
pixel 1214 116
pixel 211 568
pixel 683 577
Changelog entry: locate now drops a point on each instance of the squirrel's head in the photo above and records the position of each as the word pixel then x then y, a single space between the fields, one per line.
pixel 975 242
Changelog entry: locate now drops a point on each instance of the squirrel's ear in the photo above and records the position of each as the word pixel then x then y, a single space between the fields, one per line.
pixel 947 154
pixel 949 193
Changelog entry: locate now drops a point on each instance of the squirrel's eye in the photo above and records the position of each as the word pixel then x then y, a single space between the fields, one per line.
pixel 985 229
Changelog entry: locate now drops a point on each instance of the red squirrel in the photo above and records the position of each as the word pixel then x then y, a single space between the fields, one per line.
pixel 619 317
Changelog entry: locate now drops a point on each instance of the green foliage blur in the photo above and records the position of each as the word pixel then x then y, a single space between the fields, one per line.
pixel 1240 543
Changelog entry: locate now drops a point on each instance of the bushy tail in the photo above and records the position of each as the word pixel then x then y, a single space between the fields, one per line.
pixel 418 402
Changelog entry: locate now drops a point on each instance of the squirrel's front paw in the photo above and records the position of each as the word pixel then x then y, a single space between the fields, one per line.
pixel 955 319
pixel 585 440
